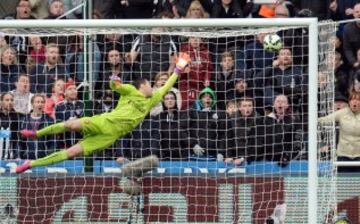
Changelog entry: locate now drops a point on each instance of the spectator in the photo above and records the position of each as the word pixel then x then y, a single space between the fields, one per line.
pixel 105 104
pixel 223 80
pixel 286 78
pixel 37 50
pixel 245 134
pixel 128 9
pixel 254 57
pixel 56 97
pixel 3 44
pixel 36 148
pixel 74 59
pixel 351 38
pixel 70 108
pixel 241 88
pixel 348 146
pixel 227 9
pixel 114 66
pixel 203 124
pixel 169 123
pixel 318 7
pixel 10 70
pixel 56 9
pixel 340 101
pixel 177 8
pixel 154 53
pixel 9 128
pixel 282 133
pixel 23 11
pixel 44 75
pixel 342 78
pixel 22 95
pixel 39 8
pixel 281 11
pixel 198 75
pixel 196 11
pixel 160 80
pixel 342 10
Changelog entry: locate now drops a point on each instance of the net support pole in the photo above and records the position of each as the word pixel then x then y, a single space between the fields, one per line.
pixel 313 116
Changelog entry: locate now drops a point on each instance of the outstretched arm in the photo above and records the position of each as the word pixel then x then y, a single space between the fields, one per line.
pixel 182 61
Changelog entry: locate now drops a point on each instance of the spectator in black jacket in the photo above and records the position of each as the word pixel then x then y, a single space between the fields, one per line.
pixel 351 38
pixel 44 75
pixel 245 134
pixel 283 140
pixel 223 80
pixel 169 123
pixel 70 108
pixel 227 9
pixel 36 148
pixel 204 125
pixel 10 70
pixel 9 128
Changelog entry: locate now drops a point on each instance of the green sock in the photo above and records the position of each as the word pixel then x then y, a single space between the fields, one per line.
pixel 50 159
pixel 52 130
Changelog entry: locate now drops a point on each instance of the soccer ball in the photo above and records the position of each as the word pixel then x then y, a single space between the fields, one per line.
pixel 272 43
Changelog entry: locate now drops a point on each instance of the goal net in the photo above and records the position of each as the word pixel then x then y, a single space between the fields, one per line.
pixel 231 135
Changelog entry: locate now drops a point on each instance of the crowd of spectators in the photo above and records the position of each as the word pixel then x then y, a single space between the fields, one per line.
pixel 236 102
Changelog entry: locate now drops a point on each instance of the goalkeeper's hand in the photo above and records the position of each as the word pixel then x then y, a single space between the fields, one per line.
pixel 182 61
pixel 198 150
pixel 116 79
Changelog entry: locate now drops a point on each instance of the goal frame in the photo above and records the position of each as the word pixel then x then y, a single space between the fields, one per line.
pixel 311 23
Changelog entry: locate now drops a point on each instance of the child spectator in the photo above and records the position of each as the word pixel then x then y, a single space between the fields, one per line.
pixel 56 97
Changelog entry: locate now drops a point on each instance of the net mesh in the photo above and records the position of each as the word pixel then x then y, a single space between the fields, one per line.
pixel 231 135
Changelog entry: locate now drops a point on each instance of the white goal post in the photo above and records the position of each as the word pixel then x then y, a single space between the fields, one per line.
pixel 311 23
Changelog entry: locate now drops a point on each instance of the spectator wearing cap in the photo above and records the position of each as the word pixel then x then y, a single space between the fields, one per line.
pixel 44 75
pixel 351 37
pixel 70 108
pixel 22 94
pixel 36 120
pixel 56 97
pixel 340 101
pixel 10 70
pixel 348 148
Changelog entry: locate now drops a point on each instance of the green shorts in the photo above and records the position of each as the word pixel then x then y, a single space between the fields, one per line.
pixel 98 133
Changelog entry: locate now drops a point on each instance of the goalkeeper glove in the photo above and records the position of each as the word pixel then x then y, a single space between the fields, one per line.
pixel 198 150
pixel 115 78
pixel 182 61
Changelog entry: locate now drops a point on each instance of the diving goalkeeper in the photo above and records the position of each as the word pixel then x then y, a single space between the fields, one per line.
pixel 103 130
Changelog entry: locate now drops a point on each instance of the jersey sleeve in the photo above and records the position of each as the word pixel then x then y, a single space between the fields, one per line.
pixel 123 89
pixel 160 93
pixel 335 116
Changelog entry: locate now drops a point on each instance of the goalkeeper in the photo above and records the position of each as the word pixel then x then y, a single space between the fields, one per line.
pixel 103 130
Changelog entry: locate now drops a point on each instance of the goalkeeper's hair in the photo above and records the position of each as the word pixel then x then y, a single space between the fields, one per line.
pixel 138 82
